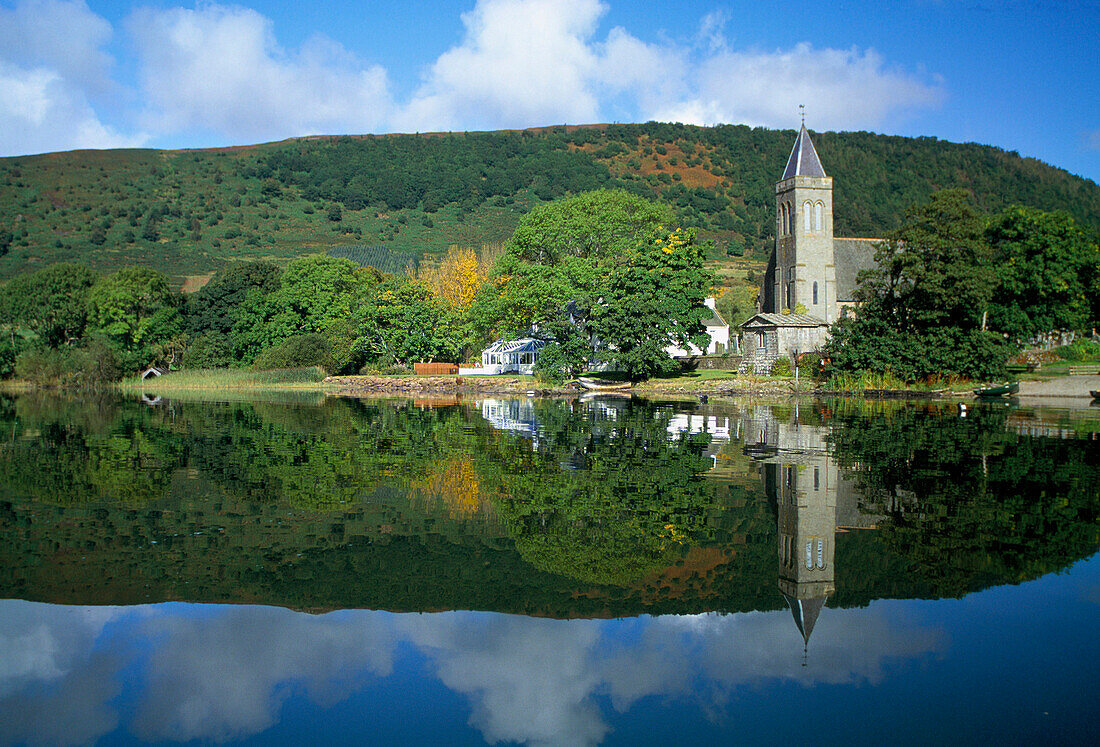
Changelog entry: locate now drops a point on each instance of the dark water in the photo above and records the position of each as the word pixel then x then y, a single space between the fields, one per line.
pixel 545 571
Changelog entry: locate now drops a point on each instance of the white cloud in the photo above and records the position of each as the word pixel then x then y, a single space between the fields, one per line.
pixel 52 71
pixel 522 62
pixel 65 37
pixel 220 69
pixel 842 89
pixel 224 676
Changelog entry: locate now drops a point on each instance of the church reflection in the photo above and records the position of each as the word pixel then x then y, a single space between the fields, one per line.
pixel 813 501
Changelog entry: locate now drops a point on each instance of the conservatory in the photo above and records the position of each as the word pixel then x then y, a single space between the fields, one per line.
pixel 511 356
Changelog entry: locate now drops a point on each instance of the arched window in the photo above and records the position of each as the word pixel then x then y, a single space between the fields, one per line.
pixel 819 211
pixel 806 210
pixel 810 555
pixel 821 555
pixel 815 293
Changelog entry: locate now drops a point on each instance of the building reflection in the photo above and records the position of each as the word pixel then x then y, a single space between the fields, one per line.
pixel 813 499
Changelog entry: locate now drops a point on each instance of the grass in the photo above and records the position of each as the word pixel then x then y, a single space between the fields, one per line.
pixel 222 379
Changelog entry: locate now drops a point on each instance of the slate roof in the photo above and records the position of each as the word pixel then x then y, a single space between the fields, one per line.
pixel 784 320
pixel 805 613
pixel 803 160
pixel 849 257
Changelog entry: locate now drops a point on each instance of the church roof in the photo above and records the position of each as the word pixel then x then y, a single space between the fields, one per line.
pixel 805 613
pixel 803 160
pixel 849 257
pixel 764 319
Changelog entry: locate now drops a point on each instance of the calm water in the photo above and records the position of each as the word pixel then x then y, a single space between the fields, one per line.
pixel 603 572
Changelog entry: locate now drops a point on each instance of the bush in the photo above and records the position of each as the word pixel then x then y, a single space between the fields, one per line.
pixel 92 365
pixel 552 366
pixel 297 352
pixel 208 351
pixel 1080 351
pixel 781 367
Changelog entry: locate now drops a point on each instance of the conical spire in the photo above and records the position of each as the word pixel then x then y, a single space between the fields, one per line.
pixel 805 613
pixel 803 160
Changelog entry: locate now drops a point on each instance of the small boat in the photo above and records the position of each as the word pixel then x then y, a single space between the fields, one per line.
pixel 603 385
pixel 1008 388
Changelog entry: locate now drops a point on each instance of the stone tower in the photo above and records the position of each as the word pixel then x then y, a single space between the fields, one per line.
pixel 804 271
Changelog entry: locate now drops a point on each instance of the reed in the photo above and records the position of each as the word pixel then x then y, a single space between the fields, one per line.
pixel 229 379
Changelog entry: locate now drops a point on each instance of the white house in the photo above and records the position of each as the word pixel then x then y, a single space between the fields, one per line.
pixel 717 329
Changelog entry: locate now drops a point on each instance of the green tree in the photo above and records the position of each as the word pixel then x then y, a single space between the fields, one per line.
pixel 922 309
pixel 653 299
pixel 53 302
pixel 402 321
pixel 1044 262
pixel 313 293
pixel 135 309
pixel 213 307
pixel 597 225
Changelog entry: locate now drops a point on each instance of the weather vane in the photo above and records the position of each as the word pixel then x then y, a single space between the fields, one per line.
pixel 802 111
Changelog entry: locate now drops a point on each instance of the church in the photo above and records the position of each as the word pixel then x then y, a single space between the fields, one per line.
pixel 811 276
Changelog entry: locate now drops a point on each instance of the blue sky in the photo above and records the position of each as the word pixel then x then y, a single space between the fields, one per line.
pixel 1018 74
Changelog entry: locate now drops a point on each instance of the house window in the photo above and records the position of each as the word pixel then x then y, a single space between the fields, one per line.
pixel 815 293
pixel 761 339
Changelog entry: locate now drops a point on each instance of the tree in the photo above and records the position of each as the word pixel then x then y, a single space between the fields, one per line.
pixel 922 309
pixel 313 293
pixel 936 269
pixel 1044 262
pixel 654 299
pixel 134 308
pixel 399 321
pixel 53 302
pixel 597 225
pixel 554 271
pixel 213 307
pixel 458 278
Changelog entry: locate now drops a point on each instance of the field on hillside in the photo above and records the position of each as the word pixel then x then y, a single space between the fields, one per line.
pixel 191 213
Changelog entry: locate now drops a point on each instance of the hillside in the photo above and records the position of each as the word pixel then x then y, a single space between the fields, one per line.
pixel 189 213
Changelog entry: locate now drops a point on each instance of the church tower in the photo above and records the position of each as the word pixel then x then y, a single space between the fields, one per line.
pixel 804 270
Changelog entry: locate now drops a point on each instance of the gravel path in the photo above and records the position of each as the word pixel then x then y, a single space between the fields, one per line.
pixel 1061 386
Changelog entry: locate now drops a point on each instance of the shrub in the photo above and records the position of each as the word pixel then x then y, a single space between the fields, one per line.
pixel 781 367
pixel 553 364
pixel 1079 351
pixel 297 352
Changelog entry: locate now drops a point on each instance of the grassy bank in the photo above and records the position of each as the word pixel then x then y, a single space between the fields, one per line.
pixel 223 379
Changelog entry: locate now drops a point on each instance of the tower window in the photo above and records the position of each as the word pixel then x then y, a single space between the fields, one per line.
pixel 815 293
pixel 819 210
pixel 806 210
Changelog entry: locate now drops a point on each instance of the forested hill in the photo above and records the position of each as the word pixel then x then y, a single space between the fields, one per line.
pixel 188 213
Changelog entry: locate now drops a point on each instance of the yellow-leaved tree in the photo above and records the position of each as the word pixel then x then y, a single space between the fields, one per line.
pixel 458 277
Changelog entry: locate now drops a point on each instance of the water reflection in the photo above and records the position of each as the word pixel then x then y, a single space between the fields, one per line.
pixel 227 673
pixel 679 534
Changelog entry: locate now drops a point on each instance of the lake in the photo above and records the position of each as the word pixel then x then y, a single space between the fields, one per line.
pixel 605 571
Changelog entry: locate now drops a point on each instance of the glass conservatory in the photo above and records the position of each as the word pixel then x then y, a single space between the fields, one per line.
pixel 511 356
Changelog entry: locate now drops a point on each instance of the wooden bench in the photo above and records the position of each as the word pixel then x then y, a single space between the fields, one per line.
pixel 1087 369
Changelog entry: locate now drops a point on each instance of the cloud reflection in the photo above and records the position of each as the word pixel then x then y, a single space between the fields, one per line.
pixel 222 673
